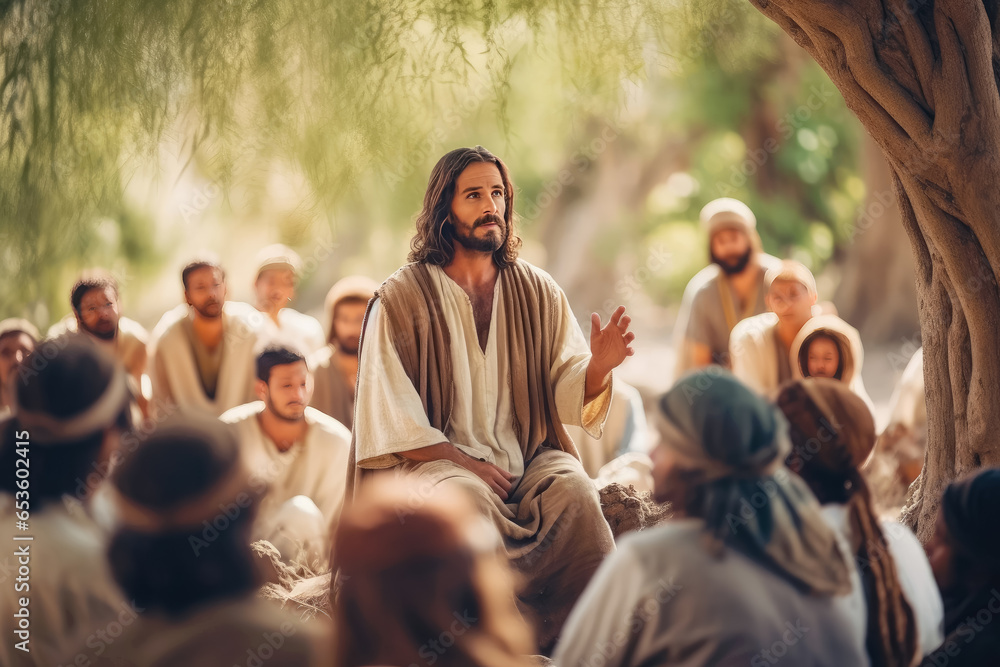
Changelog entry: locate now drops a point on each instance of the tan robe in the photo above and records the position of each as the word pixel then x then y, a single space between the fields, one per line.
pixel 70 590
pixel 333 394
pixel 129 347
pixel 553 528
pixel 173 369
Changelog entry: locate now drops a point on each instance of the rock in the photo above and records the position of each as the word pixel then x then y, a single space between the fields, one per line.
pixel 626 510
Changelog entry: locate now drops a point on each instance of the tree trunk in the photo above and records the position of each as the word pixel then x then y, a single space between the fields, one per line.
pixel 920 76
pixel 878 263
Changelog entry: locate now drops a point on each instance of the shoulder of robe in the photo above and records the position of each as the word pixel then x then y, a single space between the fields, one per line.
pixel 168 322
pixel 753 328
pixel 321 358
pixel 66 325
pixel 328 424
pixel 132 330
pixel 241 412
pixel 701 281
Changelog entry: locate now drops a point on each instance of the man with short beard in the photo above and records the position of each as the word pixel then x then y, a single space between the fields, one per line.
pixel 297 452
pixel 336 365
pixel 730 289
pixel 97 313
pixel 471 361
pixel 202 351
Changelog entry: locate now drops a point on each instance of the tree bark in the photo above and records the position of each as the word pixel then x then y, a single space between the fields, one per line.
pixel 921 76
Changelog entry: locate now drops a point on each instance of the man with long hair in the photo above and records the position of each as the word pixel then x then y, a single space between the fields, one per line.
pixel 471 362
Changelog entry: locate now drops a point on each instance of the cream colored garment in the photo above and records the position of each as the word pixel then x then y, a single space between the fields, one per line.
pixel 244 631
pixel 174 373
pixel 302 329
pixel 754 353
pixel 907 406
pixel 129 346
pixel 315 467
pixel 389 417
pixel 914 571
pixel 848 339
pixel 662 599
pixel 624 431
pixel 70 590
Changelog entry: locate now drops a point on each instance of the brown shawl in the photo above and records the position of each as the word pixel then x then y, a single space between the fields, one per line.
pixel 532 302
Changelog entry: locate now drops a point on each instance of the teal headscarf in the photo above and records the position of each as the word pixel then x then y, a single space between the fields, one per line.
pixel 734 443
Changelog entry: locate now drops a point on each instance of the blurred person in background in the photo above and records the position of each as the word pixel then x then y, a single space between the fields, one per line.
pixel 335 366
pixel 279 268
pixel 728 290
pixel 202 352
pixel 18 339
pixel 833 434
pixel 184 509
pixel 70 412
pixel 427 587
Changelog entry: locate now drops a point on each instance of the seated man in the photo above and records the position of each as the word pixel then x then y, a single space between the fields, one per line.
pixel 69 416
pixel 336 365
pixel 760 347
pixel 471 361
pixel 181 552
pixel 18 339
pixel 965 556
pixel 828 347
pixel 746 573
pixel 278 269
pixel 202 352
pixel 97 313
pixel 298 452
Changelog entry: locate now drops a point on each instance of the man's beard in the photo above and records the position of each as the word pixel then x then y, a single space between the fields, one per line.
pixel 348 346
pixel 731 268
pixel 203 310
pixel 103 335
pixel 284 416
pixel 488 244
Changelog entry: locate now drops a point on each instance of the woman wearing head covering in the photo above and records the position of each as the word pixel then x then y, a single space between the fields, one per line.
pixel 832 434
pixel 965 556
pixel 70 411
pixel 422 583
pixel 747 572
pixel 829 347
pixel 181 553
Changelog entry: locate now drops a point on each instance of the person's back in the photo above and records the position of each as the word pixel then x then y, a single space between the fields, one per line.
pixel 674 603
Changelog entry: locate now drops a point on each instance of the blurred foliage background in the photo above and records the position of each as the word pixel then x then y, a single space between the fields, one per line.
pixel 136 134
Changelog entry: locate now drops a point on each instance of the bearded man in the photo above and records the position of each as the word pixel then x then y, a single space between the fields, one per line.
pixel 725 292
pixel 471 362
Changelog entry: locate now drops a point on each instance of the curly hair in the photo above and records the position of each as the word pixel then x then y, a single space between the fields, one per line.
pixel 434 242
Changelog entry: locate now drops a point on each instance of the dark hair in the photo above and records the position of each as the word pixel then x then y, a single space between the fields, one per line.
pixel 197 265
pixel 166 572
pixel 804 353
pixel 276 355
pixel 96 279
pixel 64 387
pixel 178 569
pixel 434 242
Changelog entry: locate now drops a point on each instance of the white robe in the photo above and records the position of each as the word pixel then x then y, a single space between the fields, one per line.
pixel 292 326
pixel 661 599
pixel 173 370
pixel 389 417
pixel 70 590
pixel 914 571
pixel 315 467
